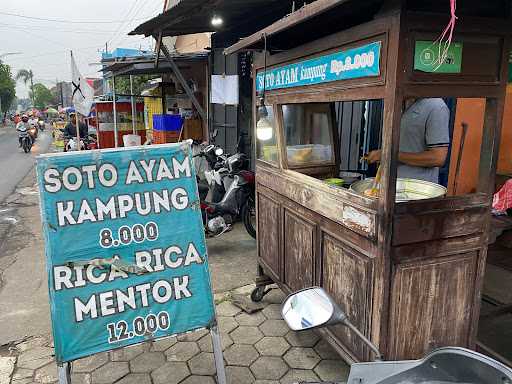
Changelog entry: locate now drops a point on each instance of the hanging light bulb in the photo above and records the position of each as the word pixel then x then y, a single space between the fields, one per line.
pixel 216 20
pixel 264 128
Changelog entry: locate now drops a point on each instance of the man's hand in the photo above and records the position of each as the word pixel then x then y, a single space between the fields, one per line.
pixel 373 156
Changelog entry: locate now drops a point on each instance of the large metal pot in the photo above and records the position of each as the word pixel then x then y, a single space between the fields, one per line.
pixel 406 189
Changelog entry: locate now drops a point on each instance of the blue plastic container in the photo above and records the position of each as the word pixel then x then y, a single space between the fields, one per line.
pixel 167 122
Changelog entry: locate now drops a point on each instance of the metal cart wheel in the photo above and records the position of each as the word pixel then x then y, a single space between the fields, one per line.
pixel 258 293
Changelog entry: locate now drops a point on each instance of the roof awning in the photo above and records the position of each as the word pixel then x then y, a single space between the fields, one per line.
pixel 147 66
pixel 194 16
pixel 311 22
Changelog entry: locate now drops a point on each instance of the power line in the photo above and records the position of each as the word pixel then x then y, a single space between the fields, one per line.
pixel 46 29
pixel 63 21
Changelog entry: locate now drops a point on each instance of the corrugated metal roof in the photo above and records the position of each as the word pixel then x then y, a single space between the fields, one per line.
pixel 194 16
pixel 147 66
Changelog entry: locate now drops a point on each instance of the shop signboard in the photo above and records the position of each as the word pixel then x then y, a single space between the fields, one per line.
pixel 362 61
pixel 125 247
pixel 426 57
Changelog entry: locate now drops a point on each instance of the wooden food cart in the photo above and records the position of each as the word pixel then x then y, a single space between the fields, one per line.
pixel 408 274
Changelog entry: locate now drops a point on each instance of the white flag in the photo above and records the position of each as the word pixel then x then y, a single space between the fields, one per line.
pixel 83 93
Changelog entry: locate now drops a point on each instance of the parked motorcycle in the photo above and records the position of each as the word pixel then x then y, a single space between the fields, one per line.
pixel 313 308
pixel 229 193
pixel 88 143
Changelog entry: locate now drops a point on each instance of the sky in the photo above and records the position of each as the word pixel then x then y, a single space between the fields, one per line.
pixel 81 25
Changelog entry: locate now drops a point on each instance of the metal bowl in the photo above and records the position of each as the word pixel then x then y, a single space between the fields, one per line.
pixel 406 189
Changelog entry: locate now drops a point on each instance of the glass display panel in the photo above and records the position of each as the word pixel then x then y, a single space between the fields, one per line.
pixel 308 134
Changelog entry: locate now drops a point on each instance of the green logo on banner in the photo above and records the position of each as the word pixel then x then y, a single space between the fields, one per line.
pixel 426 57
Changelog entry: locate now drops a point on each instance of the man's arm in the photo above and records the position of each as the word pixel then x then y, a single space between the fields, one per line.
pixel 432 157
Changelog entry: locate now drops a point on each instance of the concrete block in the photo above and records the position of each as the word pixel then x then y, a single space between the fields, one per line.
pixel 301 358
pixel 6 369
pixel 147 362
pixel 202 364
pixel 170 373
pixel 274 327
pixel 89 364
pixel 81 378
pixel 47 374
pixel 110 372
pixel 241 355
pixel 192 336
pixel 253 319
pixel 205 344
pixel 239 375
pixel 246 335
pixel 272 346
pixel 325 351
pixel 302 339
pixel 272 311
pixel 135 378
pixel 269 368
pixel 298 376
pixel 128 353
pixel 227 309
pixel 332 370
pixel 35 358
pixel 182 351
pixel 194 379
pixel 163 344
pixel 226 324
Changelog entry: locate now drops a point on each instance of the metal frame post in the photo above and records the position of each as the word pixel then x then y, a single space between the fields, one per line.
pixel 116 141
pixel 133 106
pixel 217 354
pixel 64 371
pixel 183 82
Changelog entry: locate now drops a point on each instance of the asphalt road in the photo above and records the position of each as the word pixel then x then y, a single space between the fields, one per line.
pixel 14 163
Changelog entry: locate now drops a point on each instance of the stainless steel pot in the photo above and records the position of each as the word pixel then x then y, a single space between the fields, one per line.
pixel 406 189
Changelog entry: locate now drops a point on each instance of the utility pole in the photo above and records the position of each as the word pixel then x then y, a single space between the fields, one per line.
pixel 61 94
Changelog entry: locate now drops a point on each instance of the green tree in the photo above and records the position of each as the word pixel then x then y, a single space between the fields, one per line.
pixel 41 96
pixel 123 84
pixel 27 76
pixel 7 88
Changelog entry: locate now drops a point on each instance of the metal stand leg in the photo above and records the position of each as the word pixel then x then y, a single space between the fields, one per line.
pixel 217 353
pixel 64 373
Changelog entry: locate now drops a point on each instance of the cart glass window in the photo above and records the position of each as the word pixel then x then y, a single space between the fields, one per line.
pixel 266 136
pixel 308 134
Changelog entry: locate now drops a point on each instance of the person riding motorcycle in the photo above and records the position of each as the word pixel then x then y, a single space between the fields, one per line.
pixel 70 128
pixel 22 127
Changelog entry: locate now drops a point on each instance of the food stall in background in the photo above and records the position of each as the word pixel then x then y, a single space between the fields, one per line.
pixel 330 85
pixel 105 122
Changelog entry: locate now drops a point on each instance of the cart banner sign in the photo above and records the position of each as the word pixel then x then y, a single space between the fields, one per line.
pixel 125 247
pixel 353 63
pixel 426 57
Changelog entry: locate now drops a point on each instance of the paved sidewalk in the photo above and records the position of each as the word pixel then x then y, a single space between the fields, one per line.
pixel 258 348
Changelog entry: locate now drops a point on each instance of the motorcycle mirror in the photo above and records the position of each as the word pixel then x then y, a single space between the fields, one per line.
pixel 310 308
pixel 219 151
pixel 214 133
pixel 313 308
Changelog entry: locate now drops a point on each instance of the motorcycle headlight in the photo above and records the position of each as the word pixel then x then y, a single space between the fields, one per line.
pixel 219 151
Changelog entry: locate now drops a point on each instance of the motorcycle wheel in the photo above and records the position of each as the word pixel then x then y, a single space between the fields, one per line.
pixel 249 217
pixel 26 146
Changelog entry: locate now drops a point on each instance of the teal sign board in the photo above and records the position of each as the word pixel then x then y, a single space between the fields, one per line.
pixel 426 57
pixel 125 248
pixel 352 63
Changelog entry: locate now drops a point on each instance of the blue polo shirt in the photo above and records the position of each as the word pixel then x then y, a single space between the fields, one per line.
pixel 424 125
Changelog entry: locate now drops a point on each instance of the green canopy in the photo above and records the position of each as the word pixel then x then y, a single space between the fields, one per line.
pixel 52 111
